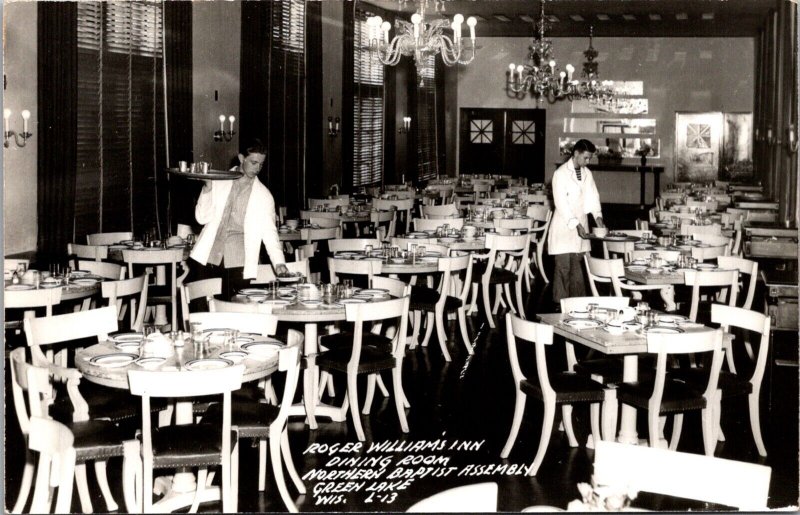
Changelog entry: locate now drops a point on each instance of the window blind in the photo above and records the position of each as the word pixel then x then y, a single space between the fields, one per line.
pixel 120 112
pixel 368 105
pixel 427 142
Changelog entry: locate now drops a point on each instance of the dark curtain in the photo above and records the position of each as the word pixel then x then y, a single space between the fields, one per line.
pixel 57 101
pixel 314 139
pixel 775 117
pixel 253 97
pixel 348 90
pixel 178 56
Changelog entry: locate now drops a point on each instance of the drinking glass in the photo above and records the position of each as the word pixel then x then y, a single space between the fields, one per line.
pixel 228 341
pixel 67 274
pixel 21 268
pixel 592 309
pixel 367 249
pixel 420 250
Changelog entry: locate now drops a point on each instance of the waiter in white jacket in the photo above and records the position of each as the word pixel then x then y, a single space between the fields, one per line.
pixel 575 196
pixel 237 216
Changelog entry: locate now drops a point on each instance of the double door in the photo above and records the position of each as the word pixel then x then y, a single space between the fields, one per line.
pixel 503 141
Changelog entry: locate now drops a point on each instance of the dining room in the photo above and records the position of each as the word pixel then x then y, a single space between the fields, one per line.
pixel 292 255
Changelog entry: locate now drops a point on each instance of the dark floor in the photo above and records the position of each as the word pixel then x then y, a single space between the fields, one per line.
pixel 470 400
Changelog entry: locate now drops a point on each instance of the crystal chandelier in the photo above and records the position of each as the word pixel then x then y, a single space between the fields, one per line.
pixel 542 78
pixel 423 38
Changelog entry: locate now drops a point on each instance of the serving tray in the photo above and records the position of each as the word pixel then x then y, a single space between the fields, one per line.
pixel 212 175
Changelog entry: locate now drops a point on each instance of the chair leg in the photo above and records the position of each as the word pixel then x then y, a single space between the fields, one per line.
pixel 202 475
pixel 498 299
pixel 487 305
pixel 262 465
pixel 399 396
pixel 442 334
pixel 516 422
pixel 473 303
pixel 323 382
pixel 540 262
pixel 652 427
pixel 755 421
pixel 289 461
pixel 370 393
pixel 709 435
pixel 102 481
pixel 566 415
pixel 729 356
pixel 462 325
pixel 83 487
pixel 507 291
pixel 27 481
pixel 330 388
pixel 594 420
pixel 352 396
pixel 415 330
pixel 520 305
pixel 382 386
pixel 429 323
pixel 609 415
pixel 677 425
pixel 277 470
pixel 718 419
pixel 269 392
pixel 234 486
pixel 544 440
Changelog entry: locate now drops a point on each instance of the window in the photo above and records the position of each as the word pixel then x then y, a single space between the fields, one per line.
pixel 120 116
pixel 427 141
pixel 368 105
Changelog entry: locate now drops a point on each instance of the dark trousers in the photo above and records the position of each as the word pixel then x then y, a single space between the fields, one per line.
pixel 232 278
pixel 568 276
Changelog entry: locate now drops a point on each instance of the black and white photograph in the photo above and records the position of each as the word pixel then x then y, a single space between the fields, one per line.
pixel 387 256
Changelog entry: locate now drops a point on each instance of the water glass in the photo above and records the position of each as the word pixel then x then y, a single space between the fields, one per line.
pixel 367 249
pixel 228 343
pixel 592 309
pixel 652 318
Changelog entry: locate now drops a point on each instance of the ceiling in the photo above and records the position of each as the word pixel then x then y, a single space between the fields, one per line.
pixel 638 18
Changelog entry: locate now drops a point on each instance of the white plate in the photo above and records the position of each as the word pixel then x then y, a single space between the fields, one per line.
pixel 262 350
pixel 80 273
pixel 287 290
pixel 256 298
pixel 636 268
pixel 311 303
pixel 241 340
pixel 85 282
pixel 654 271
pixel 706 266
pixel 235 356
pixel 397 261
pixel 672 319
pixel 128 346
pixel 582 324
pixel 351 301
pixel 19 287
pixel 663 330
pixel 578 314
pixel 126 338
pixel 365 296
pixel 208 364
pixel 276 302
pixel 290 278
pixel 115 360
pixel 347 254
pixel 371 291
pixel 615 238
pixel 253 291
pixel 151 362
pixel 417 235
pixel 639 262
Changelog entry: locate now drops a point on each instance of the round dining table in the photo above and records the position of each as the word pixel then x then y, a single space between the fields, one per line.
pixel 179 490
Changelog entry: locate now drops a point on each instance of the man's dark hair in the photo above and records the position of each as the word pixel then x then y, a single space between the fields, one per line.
pixel 583 145
pixel 254 146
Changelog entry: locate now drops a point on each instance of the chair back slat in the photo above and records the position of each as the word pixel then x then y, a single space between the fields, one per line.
pixel 581 303
pixel 71 326
pixel 259 323
pixel 352 244
pixel 744 266
pixel 223 306
pixel 108 238
pixel 443 210
pixel 117 291
pixel 431 224
pixel 112 271
pixel 92 252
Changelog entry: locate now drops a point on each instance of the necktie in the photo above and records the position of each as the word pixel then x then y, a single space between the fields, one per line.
pixel 578 172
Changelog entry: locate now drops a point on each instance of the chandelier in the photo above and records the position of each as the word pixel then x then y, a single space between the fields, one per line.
pixel 423 38
pixel 543 79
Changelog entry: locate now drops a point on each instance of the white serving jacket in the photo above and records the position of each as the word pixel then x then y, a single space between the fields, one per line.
pixel 574 200
pixel 259 224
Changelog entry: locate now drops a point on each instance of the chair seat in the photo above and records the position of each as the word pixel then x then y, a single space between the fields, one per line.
pixel 425 299
pixel 610 369
pixel 96 439
pixel 104 403
pixel 372 360
pixel 730 383
pixel 498 276
pixel 252 419
pixel 344 340
pixel 678 395
pixel 569 387
pixel 191 445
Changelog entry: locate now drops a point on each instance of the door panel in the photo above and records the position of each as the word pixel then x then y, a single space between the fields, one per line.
pixel 481 140
pixel 524 148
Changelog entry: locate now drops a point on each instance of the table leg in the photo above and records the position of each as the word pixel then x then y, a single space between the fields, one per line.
pixel 161 311
pixel 627 427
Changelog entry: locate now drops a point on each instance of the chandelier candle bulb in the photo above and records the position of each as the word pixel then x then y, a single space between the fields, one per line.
pixel 222 122
pixel 386 27
pixel 570 71
pixel 6 116
pixel 25 116
pixel 231 119
pixel 471 22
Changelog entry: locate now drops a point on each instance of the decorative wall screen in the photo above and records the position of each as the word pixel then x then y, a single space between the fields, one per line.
pixel 480 131
pixel 523 132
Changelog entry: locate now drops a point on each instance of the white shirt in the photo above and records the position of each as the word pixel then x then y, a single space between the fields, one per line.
pixel 573 200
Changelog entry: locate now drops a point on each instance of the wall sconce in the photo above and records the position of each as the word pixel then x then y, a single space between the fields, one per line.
pixel 791 138
pixel 406 125
pixel 26 115
pixel 770 138
pixel 222 134
pixel 333 126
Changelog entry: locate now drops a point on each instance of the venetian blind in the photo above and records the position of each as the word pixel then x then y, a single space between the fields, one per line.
pixel 427 143
pixel 368 105
pixel 120 109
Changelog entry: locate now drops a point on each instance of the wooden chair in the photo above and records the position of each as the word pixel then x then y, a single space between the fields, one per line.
pixel 719 247
pixel 267 423
pixel 445 210
pixel 202 289
pixel 541 216
pixel 328 202
pixel 96 439
pixel 502 266
pixel 266 273
pixel 364 359
pixel 224 306
pixel 404 206
pixel 11 264
pixel 306 251
pixel 665 395
pixel 536 198
pixel 481 190
pixel 612 271
pixel 191 445
pixel 53 441
pixel 670 256
pixel 730 383
pixel 381 223
pixel 564 388
pixel 736 484
pixel 111 271
pixel 432 224
pixel 697 279
pixel 325 222
pixel 352 244
pixel 90 252
pixel 702 204
pixel 263 324
pixel 108 238
pixel 29 300
pixel 477 498
pixel 519 224
pixel 310 235
pixel 353 267
pixel 462 201
pixel 159 294
pixel 711 230
pixel 447 298
pixel 745 267
pixel 116 293
pixel 402 243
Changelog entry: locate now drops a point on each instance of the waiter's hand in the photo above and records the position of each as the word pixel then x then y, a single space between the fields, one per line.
pixel 281 270
pixel 599 221
pixel 581 231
